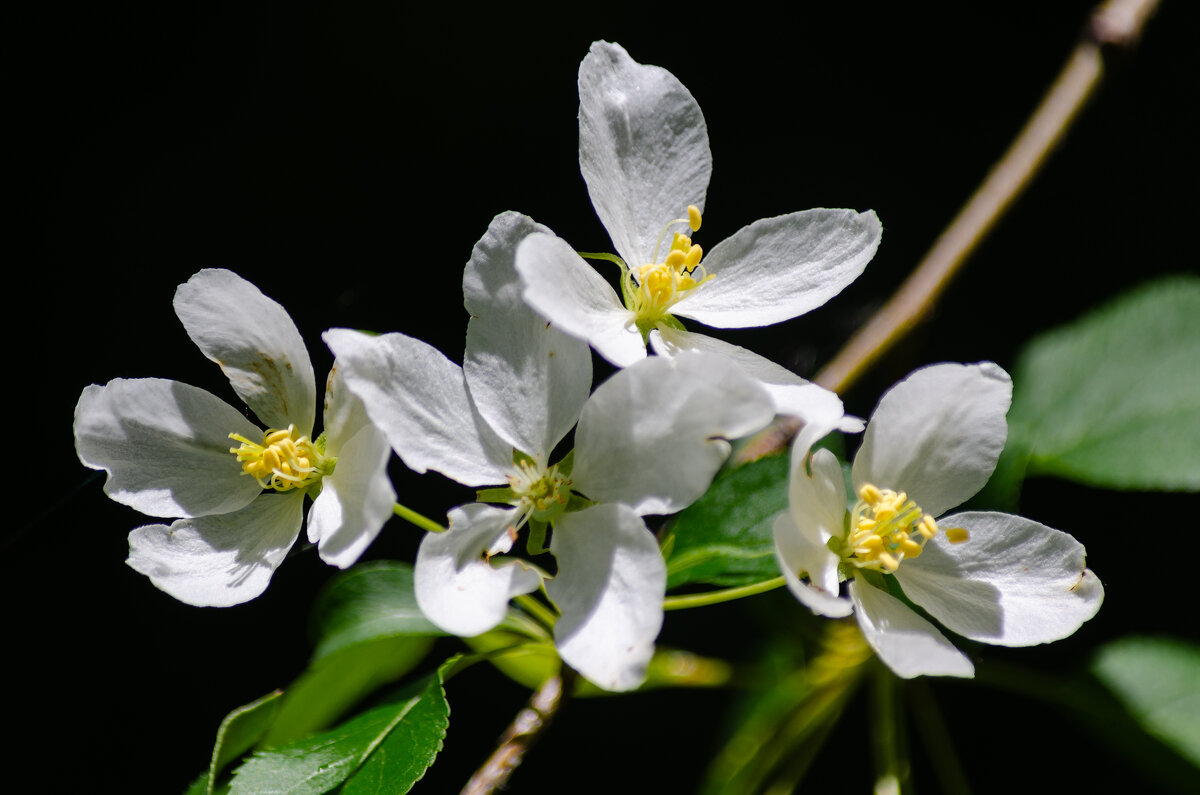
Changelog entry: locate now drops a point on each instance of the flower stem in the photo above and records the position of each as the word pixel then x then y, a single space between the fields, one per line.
pixel 716 597
pixel 526 727
pixel 412 517
pixel 542 614
pixel 1115 24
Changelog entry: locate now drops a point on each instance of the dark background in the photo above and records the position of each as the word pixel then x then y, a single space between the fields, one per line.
pixel 345 159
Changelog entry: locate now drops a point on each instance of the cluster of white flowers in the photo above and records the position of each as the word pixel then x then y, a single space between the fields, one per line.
pixel 647 441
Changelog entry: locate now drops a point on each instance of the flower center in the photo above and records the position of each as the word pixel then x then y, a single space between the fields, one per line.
pixel 886 527
pixel 652 289
pixel 542 494
pixel 284 461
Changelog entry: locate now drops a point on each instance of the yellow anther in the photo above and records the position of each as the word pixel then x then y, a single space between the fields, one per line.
pixel 870 494
pixel 675 259
pixel 957 535
pixel 872 542
pixel 910 548
pixel 694 217
pixel 693 256
pixel 889 562
pixel 928 527
pixel 285 460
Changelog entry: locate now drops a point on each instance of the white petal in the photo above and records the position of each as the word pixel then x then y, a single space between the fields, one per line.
pixel 419 399
pixel 165 446
pixel 817 500
pixel 820 409
pixel 569 293
pixel 937 434
pixel 610 586
pixel 527 379
pixel 795 554
pixel 905 642
pixel 218 561
pixel 256 344
pixel 456 587
pixel 1013 583
pixel 653 435
pixel 345 414
pixel 643 148
pixel 779 268
pixel 355 500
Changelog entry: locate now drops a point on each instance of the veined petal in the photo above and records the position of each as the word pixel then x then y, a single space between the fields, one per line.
pixel 355 501
pixel 907 643
pixel 653 435
pixel 256 344
pixel 223 560
pixel 569 293
pixel 820 409
pixel 165 447
pixel 779 268
pixel 937 434
pixel 796 553
pixel 643 148
pixel 1014 582
pixel 418 398
pixel 610 586
pixel 527 379
pixel 457 588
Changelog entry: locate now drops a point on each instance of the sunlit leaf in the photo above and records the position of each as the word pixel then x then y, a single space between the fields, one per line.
pixel 385 749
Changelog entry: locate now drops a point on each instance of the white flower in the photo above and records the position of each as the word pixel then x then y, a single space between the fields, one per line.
pixel 932 443
pixel 237 492
pixel 648 441
pixel 643 151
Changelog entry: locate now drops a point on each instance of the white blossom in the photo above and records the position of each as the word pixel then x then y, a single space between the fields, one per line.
pixel 648 441
pixel 643 151
pixel 931 444
pixel 236 492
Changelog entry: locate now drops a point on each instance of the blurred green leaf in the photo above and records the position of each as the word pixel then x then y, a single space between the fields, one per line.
pixel 369 602
pixel 1113 399
pixel 725 537
pixel 385 749
pixel 1158 681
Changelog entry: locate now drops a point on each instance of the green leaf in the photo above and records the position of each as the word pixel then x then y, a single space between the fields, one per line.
pixel 1158 681
pixel 367 603
pixel 336 682
pixel 725 537
pixel 385 749
pixel 1113 399
pixel 238 733
pixel 369 632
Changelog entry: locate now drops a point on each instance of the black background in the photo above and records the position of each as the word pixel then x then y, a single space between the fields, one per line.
pixel 345 159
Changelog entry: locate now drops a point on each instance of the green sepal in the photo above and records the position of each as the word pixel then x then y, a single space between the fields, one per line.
pixel 567 464
pixel 535 542
pixel 498 494
pixel 577 503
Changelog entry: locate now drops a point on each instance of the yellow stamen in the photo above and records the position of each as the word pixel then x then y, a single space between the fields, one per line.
pixel 284 461
pixel 886 527
pixel 694 217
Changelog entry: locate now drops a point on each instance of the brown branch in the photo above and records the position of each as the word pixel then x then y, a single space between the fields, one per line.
pixel 521 734
pixel 1115 23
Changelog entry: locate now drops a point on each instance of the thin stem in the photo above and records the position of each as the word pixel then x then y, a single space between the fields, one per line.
pixel 1115 23
pixel 604 256
pixel 526 728
pixel 544 615
pixel 412 517
pixel 716 597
